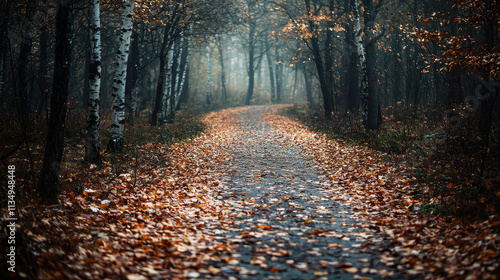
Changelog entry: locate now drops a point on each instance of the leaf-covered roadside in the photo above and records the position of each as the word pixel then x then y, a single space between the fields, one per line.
pixel 459 175
pixel 159 215
pixel 150 212
pixel 383 195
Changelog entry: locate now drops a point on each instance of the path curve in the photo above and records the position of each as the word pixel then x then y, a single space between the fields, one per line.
pixel 280 221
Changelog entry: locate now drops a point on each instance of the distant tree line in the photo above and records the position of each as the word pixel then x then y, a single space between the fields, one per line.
pixel 354 57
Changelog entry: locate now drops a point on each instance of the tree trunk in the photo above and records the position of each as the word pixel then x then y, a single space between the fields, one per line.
pixel 279 75
pixel 373 116
pixel 184 95
pixel 208 95
pixel 184 81
pixel 351 74
pixel 329 57
pixel 132 76
pixel 271 71
pixel 159 91
pixel 164 52
pixel 397 66
pixel 325 83
pixel 134 104
pixel 358 40
pixel 24 58
pixel 222 71
pixel 167 89
pixel 308 85
pixel 488 96
pixel 174 80
pixel 92 143
pixel 251 67
pixel 43 74
pixel 48 186
pixel 373 119
pixel 118 121
pixel 251 84
pixel 6 79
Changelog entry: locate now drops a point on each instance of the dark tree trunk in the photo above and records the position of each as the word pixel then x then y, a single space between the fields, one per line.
pixel 279 76
pixel 86 73
pixel 6 71
pixel 251 67
pixel 308 86
pixel 161 77
pixel 48 187
pixel 43 83
pixel 159 92
pixel 251 84
pixel 24 55
pixel 373 118
pixel 329 58
pixel 455 94
pixel 132 73
pixel 351 81
pixel 222 72
pixel 271 70
pixel 417 65
pixel 397 66
pixel 325 86
pixel 6 80
pixel 325 83
pixel 488 95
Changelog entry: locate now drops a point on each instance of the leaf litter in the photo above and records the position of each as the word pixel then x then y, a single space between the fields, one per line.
pixel 257 196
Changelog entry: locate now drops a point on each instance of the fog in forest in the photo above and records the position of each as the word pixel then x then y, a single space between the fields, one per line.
pixel 131 146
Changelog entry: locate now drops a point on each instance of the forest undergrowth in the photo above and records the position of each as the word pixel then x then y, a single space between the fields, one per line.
pixel 48 233
pixel 459 177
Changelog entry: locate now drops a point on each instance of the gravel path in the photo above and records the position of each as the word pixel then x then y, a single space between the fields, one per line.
pixel 281 222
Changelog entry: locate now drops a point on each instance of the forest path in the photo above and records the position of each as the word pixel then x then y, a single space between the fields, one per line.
pixel 282 221
pixel 257 196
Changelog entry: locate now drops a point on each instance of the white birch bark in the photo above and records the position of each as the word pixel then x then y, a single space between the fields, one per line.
pixel 165 90
pixel 181 86
pixel 174 82
pixel 358 40
pixel 92 144
pixel 167 84
pixel 184 61
pixel 178 70
pixel 181 77
pixel 118 122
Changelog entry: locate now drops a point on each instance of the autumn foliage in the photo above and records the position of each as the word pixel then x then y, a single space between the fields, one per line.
pixel 156 211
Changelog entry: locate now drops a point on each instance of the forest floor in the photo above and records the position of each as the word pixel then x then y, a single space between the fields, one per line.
pixel 257 196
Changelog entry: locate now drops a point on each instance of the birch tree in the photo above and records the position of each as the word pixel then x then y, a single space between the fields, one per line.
pixel 167 84
pixel 118 122
pixel 92 146
pixel 370 100
pixel 184 82
pixel 178 75
pixel 358 40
